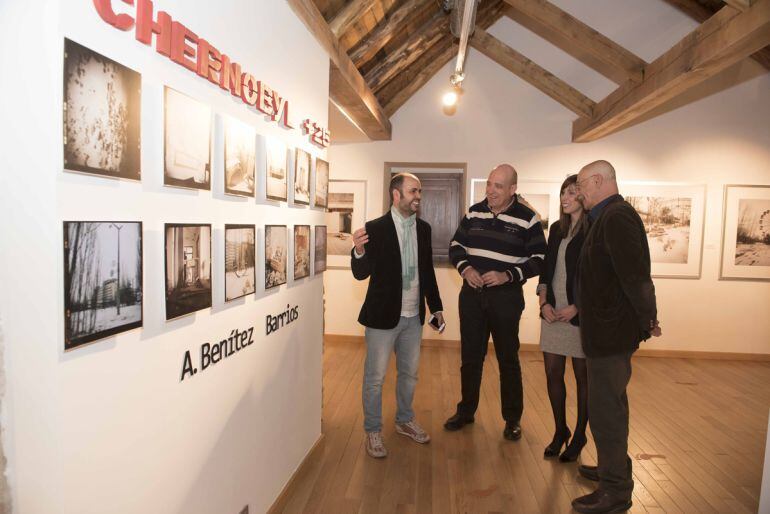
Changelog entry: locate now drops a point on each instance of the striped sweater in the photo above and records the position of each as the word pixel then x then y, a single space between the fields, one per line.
pixel 512 241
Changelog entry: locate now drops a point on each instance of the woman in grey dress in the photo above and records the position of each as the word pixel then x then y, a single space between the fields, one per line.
pixel 560 331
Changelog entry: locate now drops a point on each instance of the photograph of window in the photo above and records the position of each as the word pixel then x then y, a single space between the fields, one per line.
pixel 187 142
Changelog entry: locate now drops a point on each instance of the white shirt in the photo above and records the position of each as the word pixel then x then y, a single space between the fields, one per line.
pixel 410 298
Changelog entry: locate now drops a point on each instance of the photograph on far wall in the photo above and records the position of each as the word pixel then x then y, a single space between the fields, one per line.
pixel 673 217
pixel 276 169
pixel 321 183
pixel 276 255
pixel 541 196
pixel 746 233
pixel 102 279
pixel 240 277
pixel 301 177
pixel 188 269
pixel 102 104
pixel 187 142
pixel 240 157
pixel 319 255
pixel 346 213
pixel 301 251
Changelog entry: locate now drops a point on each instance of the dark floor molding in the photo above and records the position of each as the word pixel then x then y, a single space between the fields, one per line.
pixel 525 347
pixel 280 502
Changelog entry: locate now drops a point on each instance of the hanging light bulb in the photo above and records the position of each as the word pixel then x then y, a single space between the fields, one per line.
pixel 449 99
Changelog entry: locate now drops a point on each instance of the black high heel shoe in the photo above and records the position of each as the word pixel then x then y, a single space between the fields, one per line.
pixel 574 448
pixel 559 440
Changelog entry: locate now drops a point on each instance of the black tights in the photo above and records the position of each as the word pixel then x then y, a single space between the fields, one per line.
pixel 557 392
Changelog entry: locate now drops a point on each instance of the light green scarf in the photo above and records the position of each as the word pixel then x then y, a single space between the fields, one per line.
pixel 408 251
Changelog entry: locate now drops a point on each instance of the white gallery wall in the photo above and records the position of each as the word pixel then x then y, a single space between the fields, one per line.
pixel 719 134
pixel 109 427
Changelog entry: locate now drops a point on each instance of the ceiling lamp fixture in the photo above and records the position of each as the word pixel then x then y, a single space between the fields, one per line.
pixel 462 21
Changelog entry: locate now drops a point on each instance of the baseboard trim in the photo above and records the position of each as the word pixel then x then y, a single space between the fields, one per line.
pixel 528 347
pixel 279 503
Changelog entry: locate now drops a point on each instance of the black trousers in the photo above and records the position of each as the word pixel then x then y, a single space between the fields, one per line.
pixel 495 310
pixel 608 378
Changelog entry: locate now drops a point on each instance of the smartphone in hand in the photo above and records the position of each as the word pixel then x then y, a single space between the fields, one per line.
pixel 433 321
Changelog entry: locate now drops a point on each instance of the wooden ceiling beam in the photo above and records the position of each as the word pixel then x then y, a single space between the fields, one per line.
pixel 578 39
pixel 741 5
pixel 385 31
pixel 402 87
pixel 346 85
pixel 348 15
pixel 411 50
pixel 722 40
pixel 529 71
pixel 701 13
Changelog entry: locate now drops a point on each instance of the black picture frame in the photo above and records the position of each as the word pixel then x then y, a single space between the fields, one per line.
pixel 188 183
pixel 276 271
pixel 239 255
pixel 301 270
pixel 97 294
pixel 302 180
pixel 188 298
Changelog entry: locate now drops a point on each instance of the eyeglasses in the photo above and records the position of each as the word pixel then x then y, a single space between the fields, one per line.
pixel 578 182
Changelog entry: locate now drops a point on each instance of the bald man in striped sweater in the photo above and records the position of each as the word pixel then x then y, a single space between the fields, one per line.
pixel 497 247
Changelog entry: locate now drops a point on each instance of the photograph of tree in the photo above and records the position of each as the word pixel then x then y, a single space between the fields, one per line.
pixel 301 177
pixel 301 251
pixel 102 279
pixel 102 103
pixel 188 269
pixel 667 223
pixel 276 255
pixel 240 277
pixel 187 142
pixel 240 157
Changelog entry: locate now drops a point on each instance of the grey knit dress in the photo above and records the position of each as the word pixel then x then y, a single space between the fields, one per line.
pixel 559 337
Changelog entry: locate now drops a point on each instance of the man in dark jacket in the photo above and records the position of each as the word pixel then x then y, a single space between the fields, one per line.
pixel 617 305
pixel 395 253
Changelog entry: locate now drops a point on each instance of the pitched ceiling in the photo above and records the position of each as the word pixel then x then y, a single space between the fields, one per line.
pixel 383 51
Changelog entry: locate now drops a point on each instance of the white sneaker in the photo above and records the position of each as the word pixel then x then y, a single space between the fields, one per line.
pixel 414 431
pixel 375 446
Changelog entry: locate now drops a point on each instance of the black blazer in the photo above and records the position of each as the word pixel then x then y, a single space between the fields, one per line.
pixel 382 264
pixel 616 295
pixel 571 257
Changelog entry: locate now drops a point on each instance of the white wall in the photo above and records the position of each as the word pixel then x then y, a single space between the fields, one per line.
pixel 109 427
pixel 720 137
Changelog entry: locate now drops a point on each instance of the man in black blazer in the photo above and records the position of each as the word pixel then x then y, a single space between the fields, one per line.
pixel 395 253
pixel 616 298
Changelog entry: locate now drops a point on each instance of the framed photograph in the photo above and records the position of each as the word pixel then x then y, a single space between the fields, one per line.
pixel 746 233
pixel 240 157
pixel 346 213
pixel 301 177
pixel 102 105
pixel 542 196
pixel 301 251
pixel 319 253
pixel 102 279
pixel 240 277
pixel 321 183
pixel 188 269
pixel 673 216
pixel 276 169
pixel 187 142
pixel 276 252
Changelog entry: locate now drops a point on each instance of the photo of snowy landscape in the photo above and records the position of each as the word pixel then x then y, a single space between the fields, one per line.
pixel 667 223
pixel 301 251
pixel 101 114
pixel 276 254
pixel 102 279
pixel 188 269
pixel 753 235
pixel 240 277
pixel 240 157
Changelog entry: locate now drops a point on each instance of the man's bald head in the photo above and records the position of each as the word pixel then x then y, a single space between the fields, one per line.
pixel 501 187
pixel 596 182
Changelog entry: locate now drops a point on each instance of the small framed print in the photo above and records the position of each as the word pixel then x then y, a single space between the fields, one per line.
pixel 301 177
pixel 746 233
pixel 240 277
pixel 301 251
pixel 276 255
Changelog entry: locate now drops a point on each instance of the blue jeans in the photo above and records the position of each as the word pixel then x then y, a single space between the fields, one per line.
pixel 405 340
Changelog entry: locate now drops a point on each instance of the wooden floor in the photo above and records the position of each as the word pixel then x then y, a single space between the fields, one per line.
pixel 698 431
